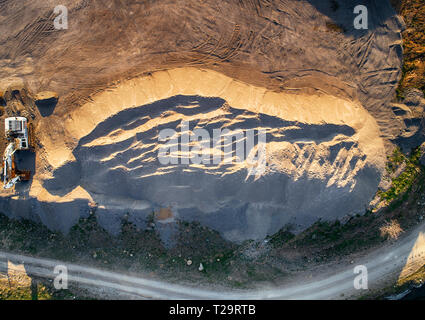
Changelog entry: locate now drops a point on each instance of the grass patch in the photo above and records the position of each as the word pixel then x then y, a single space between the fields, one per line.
pixel 279 238
pixel 417 278
pixel 404 181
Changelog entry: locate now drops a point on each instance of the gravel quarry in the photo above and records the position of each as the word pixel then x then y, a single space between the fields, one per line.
pixel 327 124
pixel 102 92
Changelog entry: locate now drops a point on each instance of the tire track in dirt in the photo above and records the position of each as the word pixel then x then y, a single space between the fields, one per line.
pixel 30 37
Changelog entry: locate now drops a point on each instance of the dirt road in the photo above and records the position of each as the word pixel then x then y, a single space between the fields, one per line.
pixel 384 266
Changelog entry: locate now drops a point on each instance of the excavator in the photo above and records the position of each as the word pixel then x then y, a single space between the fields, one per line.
pixel 17 133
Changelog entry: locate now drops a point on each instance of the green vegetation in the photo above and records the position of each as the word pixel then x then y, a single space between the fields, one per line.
pixel 23 292
pixel 416 278
pixel 413 72
pixel 134 250
pixel 336 238
pixel 404 181
pixel 282 236
pixel 225 263
pixel 13 288
pixel 327 239
pixel 405 70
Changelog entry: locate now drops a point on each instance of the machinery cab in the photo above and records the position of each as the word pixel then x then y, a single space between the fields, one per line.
pixel 16 128
pixel 17 133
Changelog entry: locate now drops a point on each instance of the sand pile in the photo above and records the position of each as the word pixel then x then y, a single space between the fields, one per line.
pixel 324 155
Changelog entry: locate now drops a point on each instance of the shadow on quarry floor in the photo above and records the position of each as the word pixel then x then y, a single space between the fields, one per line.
pixel 90 159
pixel 46 107
pixel 25 160
pixel 118 165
